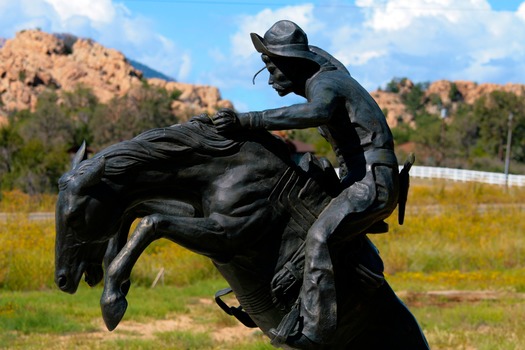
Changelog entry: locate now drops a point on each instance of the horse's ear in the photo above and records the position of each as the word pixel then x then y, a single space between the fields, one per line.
pixel 93 175
pixel 80 156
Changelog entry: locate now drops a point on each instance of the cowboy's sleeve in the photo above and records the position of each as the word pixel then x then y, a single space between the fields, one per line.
pixel 316 112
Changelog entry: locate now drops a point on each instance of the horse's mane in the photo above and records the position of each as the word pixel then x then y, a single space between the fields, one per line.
pixel 197 137
pixel 193 141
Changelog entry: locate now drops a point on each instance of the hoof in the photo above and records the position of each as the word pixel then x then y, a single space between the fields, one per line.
pixel 113 309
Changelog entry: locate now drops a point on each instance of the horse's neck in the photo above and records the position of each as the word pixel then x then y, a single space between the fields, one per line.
pixel 157 184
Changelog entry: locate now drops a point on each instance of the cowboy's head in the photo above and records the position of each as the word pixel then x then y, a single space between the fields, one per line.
pixel 285 51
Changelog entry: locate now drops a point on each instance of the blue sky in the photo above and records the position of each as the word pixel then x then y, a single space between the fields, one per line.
pixel 207 42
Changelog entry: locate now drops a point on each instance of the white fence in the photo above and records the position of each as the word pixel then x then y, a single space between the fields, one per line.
pixel 426 172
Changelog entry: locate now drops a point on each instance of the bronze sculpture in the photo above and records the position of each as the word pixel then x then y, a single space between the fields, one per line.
pixel 202 190
pixel 289 239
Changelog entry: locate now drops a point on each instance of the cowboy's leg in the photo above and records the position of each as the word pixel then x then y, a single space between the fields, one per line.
pixel 352 212
pixel 318 295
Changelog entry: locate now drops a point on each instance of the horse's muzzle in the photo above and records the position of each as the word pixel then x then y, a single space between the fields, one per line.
pixel 65 285
pixel 62 282
pixel 68 282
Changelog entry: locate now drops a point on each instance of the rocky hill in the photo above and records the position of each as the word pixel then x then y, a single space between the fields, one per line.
pixel 34 61
pixel 449 94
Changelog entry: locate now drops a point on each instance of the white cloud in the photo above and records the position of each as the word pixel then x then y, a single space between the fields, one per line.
pixel 521 11
pixel 358 58
pixel 185 67
pixel 96 11
pixel 24 14
pixel 399 14
pixel 160 53
pixel 432 29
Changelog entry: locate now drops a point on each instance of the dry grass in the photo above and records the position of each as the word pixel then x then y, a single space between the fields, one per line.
pixel 457 245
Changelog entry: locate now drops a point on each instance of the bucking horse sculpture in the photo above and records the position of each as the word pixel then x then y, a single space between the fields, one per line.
pixel 237 199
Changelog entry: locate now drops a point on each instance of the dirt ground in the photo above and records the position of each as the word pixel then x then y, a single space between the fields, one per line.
pixel 239 332
pixel 184 322
pixel 147 330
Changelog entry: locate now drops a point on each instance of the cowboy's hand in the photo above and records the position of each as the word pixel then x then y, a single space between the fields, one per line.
pixel 226 120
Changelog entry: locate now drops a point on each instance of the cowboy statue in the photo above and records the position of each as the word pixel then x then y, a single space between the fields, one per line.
pixel 349 118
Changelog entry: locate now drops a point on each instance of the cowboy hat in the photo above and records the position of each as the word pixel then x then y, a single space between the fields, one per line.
pixel 284 39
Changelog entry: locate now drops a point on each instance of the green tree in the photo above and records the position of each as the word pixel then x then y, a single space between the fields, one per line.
pixel 37 156
pixel 491 113
pixel 462 134
pixel 124 117
pixel 79 107
pixel 393 85
pixel 48 124
pixel 322 147
pixel 429 134
pixel 454 94
pixel 402 133
pixel 35 169
pixel 10 144
pixel 413 99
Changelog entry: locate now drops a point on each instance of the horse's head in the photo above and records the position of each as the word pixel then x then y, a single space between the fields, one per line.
pixel 86 218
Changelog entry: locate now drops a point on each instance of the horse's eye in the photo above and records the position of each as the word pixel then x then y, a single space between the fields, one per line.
pixel 76 220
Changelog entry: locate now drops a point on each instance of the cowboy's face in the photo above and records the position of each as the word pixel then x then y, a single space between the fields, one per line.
pixel 278 80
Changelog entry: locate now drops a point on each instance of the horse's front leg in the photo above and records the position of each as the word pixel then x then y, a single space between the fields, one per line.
pixel 116 285
pixel 203 235
pixel 115 245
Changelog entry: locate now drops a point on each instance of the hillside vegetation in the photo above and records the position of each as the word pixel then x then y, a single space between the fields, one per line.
pixel 460 124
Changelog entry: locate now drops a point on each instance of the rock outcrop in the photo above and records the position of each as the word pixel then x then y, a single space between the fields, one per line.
pixel 393 107
pixel 468 91
pixel 449 93
pixel 193 99
pixel 34 61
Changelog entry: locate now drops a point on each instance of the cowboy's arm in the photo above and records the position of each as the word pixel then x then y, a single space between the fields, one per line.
pixel 298 116
pixel 318 111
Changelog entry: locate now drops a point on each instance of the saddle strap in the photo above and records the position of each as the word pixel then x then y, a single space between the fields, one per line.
pixel 236 312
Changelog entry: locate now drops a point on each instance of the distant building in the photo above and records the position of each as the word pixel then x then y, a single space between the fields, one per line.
pixel 297 148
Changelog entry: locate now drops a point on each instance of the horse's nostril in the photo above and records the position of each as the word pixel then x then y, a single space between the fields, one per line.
pixel 62 281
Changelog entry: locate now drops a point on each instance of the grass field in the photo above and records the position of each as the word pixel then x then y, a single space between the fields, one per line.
pixel 172 317
pixel 166 317
pixel 460 270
